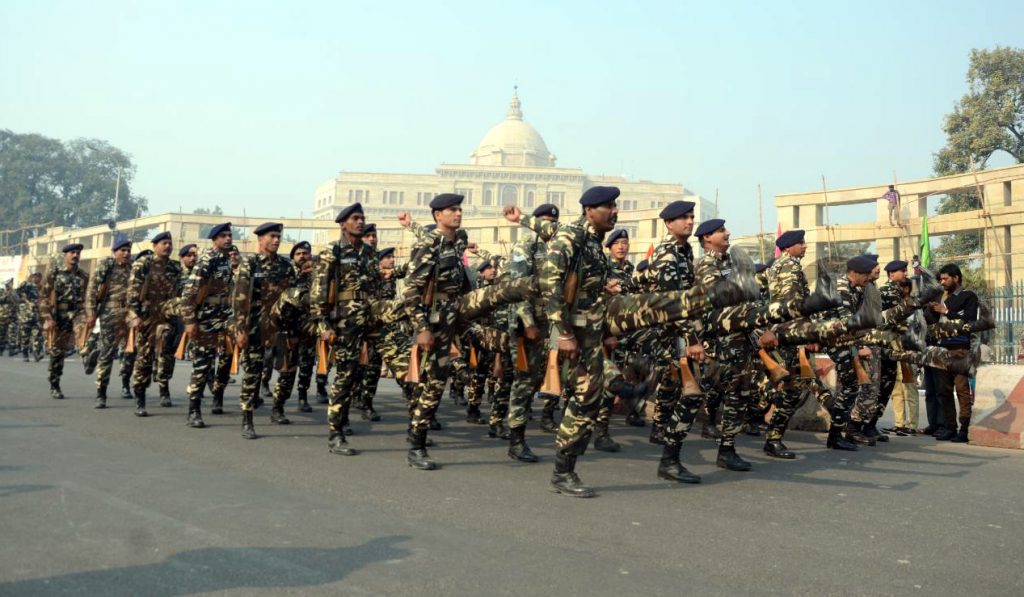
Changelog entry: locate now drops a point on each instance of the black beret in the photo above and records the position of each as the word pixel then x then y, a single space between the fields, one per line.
pixel 300 245
pixel 759 267
pixel 386 252
pixel 641 266
pixel 872 256
pixel 445 200
pixel 616 235
pixel 184 250
pixel 789 238
pixel 486 264
pixel 676 209
pixel 547 209
pixel 595 196
pixel 72 247
pixel 120 244
pixel 218 230
pixel 141 254
pixel 429 227
pixel 369 229
pixel 266 227
pixel 895 265
pixel 862 264
pixel 165 235
pixel 709 226
pixel 233 248
pixel 345 213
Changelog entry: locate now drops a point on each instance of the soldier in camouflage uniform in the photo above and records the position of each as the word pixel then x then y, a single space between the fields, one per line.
pixel 291 316
pixel 439 304
pixel 28 333
pixel 106 302
pixel 259 282
pixel 171 336
pixel 8 314
pixel 60 306
pixel 488 339
pixel 153 305
pixel 206 310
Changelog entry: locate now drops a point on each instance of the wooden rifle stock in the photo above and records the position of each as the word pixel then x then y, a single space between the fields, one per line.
pixel 499 368
pixel 364 354
pixel 552 378
pixel 806 370
pixel 454 352
pixel 776 372
pixel 321 356
pixel 233 348
pixel 182 344
pixel 690 385
pixel 472 357
pixel 83 336
pixel 521 362
pixel 413 375
pixel 130 345
pixel 862 374
pixel 906 372
pixel 569 289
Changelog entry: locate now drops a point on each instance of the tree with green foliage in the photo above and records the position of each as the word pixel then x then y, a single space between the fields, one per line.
pixel 70 184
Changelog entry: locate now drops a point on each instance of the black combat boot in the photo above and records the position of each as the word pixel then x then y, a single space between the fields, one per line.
pixel 55 392
pixel 547 421
pixel 710 431
pixel 24 358
pixel 498 430
pixel 869 315
pixel 435 425
pixel 140 402
pixel 336 444
pixel 603 441
pixel 517 448
pixel 729 459
pixel 473 415
pixel 777 449
pixel 855 435
pixel 346 426
pixel 321 393
pixel 369 414
pixel 870 429
pixel 265 390
pixel 304 406
pixel 101 397
pixel 635 420
pixel 218 402
pixel 945 434
pixel 961 436
pixel 837 441
pixel 165 396
pixel 671 469
pixel 565 481
pixel 277 413
pixel 248 429
pixel 195 415
pixel 417 457
pixel 457 396
pixel 657 434
pixel 126 392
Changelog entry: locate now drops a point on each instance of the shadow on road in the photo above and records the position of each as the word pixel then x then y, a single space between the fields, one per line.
pixel 219 569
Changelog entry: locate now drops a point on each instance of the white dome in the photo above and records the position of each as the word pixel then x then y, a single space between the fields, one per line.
pixel 512 142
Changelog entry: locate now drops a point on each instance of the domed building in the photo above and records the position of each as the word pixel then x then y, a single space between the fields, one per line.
pixel 511 165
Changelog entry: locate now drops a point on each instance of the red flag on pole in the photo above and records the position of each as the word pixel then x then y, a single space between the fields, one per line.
pixel 778 233
pixel 650 251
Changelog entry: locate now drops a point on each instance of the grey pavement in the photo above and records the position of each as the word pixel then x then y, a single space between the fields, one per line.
pixel 102 503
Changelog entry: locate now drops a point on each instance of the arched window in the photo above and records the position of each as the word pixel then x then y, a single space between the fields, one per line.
pixel 509 195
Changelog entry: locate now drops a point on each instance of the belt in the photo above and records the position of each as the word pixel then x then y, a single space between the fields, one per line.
pixel 353 295
pixel 64 306
pixel 216 300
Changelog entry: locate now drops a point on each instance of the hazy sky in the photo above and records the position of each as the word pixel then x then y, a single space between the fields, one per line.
pixel 250 105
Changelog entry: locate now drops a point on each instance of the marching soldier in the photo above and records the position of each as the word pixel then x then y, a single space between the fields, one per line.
pixel 152 308
pixel 106 301
pixel 171 336
pixel 206 310
pixel 8 314
pixel 259 281
pixel 26 327
pixel 60 304
pixel 291 316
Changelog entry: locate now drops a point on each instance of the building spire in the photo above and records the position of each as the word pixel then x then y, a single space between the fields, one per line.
pixel 515 111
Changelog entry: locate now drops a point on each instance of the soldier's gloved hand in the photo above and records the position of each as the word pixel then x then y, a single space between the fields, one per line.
pixel 190 329
pixel 404 219
pixel 610 342
pixel 613 286
pixel 512 213
pixel 241 339
pixel 768 340
pixel 425 340
pixel 327 336
pixel 134 323
pixel 568 348
pixel 531 332
pixel 695 352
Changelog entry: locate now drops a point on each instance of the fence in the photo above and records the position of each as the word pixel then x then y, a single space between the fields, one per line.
pixel 1007 340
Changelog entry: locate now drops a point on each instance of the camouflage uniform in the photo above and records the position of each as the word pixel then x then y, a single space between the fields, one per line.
pixel 62 301
pixel 8 312
pixel 28 333
pixel 389 343
pixel 489 339
pixel 843 356
pixel 291 316
pixel 170 338
pixel 106 302
pixel 617 359
pixel 205 302
pixel 152 281
pixel 258 284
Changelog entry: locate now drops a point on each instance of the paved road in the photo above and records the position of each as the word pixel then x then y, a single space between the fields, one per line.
pixel 101 503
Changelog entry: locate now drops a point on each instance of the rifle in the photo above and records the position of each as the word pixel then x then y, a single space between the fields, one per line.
pixel 472 357
pixel 413 375
pixel 180 353
pixel 498 370
pixel 906 372
pixel 234 349
pixel 776 372
pixel 862 373
pixel 129 347
pixel 321 356
pixel 521 362
pixel 685 376
pixel 806 370
pixel 552 376
pixel 364 354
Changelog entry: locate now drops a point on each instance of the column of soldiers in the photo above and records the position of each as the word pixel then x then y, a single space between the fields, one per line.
pixel 558 316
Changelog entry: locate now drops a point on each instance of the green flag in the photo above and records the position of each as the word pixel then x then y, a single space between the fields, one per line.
pixel 926 248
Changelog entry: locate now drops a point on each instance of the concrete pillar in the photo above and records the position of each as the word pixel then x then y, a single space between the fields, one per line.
pixel 887 250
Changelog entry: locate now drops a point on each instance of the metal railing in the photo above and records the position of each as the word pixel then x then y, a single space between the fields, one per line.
pixel 1007 340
